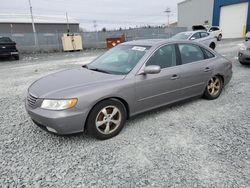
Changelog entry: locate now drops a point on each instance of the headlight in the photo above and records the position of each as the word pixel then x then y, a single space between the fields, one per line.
pixel 243 47
pixel 64 104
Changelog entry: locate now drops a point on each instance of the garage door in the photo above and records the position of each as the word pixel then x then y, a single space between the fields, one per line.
pixel 233 18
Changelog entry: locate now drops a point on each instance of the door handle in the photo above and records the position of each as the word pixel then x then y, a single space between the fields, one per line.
pixel 207 69
pixel 174 77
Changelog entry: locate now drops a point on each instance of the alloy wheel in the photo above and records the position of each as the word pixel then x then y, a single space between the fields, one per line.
pixel 214 86
pixel 108 120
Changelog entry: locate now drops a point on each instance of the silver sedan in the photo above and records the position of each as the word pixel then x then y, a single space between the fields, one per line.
pixel 203 37
pixel 129 79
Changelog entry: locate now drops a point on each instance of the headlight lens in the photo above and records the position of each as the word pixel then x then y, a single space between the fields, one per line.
pixel 64 104
pixel 243 47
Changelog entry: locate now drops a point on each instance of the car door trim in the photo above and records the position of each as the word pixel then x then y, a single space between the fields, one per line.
pixel 146 98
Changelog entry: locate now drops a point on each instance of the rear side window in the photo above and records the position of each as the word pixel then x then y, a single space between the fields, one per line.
pixel 213 29
pixel 196 36
pixel 204 34
pixel 208 54
pixel 190 53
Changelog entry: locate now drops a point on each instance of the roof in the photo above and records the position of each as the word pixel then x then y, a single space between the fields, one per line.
pixel 146 42
pixel 42 19
pixel 182 2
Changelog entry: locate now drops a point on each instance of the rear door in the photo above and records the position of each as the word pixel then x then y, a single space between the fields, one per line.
pixel 205 38
pixel 195 68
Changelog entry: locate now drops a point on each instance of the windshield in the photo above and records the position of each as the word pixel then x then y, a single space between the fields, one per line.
pixel 182 36
pixel 119 60
pixel 5 39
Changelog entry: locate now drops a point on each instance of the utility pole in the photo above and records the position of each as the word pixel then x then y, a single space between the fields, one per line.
pixel 67 22
pixel 95 25
pixel 168 11
pixel 33 24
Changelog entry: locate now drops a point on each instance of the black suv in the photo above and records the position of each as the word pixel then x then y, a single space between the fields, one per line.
pixel 8 48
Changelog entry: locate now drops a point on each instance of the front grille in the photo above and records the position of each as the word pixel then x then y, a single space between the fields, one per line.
pixel 31 100
pixel 7 48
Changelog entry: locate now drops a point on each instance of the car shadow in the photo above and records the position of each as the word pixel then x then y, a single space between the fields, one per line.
pixel 83 136
pixel 5 59
pixel 162 109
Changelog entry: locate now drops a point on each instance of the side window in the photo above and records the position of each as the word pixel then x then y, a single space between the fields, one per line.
pixel 204 34
pixel 208 54
pixel 190 53
pixel 213 29
pixel 164 57
pixel 196 36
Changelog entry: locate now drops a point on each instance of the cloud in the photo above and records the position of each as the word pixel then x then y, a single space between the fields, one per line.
pixel 107 13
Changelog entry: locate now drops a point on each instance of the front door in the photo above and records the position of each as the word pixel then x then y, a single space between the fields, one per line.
pixel 154 90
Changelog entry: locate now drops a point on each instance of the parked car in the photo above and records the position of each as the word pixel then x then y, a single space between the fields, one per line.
pixel 214 30
pixel 8 48
pixel 244 54
pixel 247 36
pixel 198 36
pixel 129 79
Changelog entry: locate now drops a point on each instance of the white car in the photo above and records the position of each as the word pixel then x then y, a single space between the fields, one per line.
pixel 198 36
pixel 215 30
pixel 247 36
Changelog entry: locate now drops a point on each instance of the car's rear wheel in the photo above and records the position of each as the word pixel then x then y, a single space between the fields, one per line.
pixel 219 37
pixel 106 119
pixel 213 88
pixel 212 45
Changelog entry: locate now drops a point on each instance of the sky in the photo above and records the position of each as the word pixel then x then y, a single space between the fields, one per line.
pixel 111 14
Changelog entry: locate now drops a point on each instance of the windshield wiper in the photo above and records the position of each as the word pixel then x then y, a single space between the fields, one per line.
pixel 99 70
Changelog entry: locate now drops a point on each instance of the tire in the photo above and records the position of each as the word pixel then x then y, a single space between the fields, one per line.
pixel 243 63
pixel 212 45
pixel 219 37
pixel 102 123
pixel 213 88
pixel 16 57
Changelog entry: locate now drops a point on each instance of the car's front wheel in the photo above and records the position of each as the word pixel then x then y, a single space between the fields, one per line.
pixel 106 119
pixel 213 88
pixel 219 37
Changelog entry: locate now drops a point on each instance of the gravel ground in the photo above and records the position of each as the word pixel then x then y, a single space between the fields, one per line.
pixel 198 143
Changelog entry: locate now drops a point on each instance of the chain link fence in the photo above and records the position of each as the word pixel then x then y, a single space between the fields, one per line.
pixel 52 42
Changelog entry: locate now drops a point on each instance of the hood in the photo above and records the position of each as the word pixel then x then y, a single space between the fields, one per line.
pixel 69 79
pixel 199 27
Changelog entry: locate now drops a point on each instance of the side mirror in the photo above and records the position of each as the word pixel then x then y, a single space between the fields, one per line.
pixel 192 38
pixel 152 69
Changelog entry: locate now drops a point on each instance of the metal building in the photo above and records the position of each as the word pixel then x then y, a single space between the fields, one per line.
pixel 233 16
pixel 195 12
pixel 21 23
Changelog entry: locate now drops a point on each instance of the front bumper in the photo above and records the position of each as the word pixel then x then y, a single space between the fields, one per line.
pixel 60 122
pixel 8 54
pixel 244 56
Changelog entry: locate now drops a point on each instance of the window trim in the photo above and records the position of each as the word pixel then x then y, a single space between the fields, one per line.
pixel 204 32
pixel 176 54
pixel 191 45
pixel 194 34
